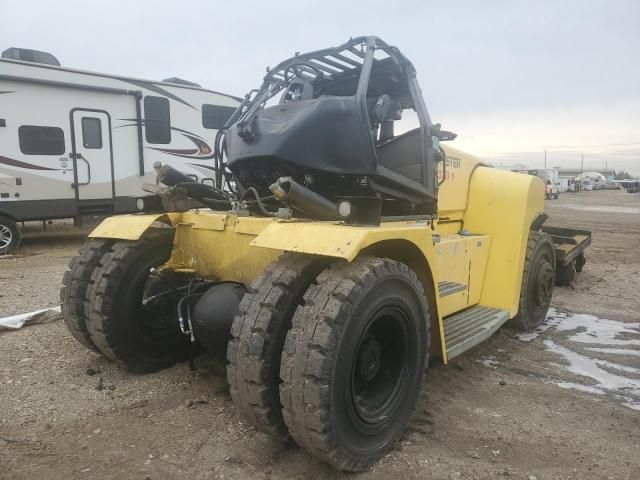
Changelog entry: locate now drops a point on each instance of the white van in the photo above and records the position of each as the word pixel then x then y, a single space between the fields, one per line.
pixel 550 178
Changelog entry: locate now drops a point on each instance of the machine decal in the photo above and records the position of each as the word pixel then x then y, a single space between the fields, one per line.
pixel 451 163
pixel 202 151
pixel 160 91
pixel 17 163
pixel 207 167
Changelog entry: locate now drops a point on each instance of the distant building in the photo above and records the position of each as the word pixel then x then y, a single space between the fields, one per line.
pixel 608 173
pixel 517 166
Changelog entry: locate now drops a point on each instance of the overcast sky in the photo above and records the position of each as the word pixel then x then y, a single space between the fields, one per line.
pixel 510 77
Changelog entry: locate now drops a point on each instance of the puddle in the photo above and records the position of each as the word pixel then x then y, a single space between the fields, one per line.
pixel 602 352
pixel 601 208
pixel 554 318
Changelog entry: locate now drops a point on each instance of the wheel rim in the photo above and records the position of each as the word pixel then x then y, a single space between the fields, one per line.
pixel 6 236
pixel 381 369
pixel 542 285
pixel 155 322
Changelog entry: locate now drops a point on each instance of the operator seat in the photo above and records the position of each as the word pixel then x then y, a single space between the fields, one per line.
pixel 401 154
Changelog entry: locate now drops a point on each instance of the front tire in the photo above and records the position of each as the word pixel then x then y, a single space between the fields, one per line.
pixel 258 333
pixel 354 360
pixel 538 279
pixel 143 338
pixel 10 235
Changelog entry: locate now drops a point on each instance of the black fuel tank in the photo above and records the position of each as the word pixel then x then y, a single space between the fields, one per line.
pixel 213 315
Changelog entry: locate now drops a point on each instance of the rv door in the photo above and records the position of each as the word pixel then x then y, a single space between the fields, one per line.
pixel 92 154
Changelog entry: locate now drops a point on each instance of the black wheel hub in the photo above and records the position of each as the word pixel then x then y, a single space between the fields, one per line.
pixel 381 368
pixel 155 307
pixel 369 360
pixel 543 284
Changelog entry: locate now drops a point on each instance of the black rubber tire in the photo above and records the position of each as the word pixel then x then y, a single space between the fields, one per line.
pixel 580 262
pixel 538 279
pixel 556 196
pixel 74 289
pixel 565 275
pixel 319 365
pixel 257 337
pixel 16 235
pixel 118 325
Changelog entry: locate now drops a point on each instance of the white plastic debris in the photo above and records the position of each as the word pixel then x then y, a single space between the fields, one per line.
pixel 39 316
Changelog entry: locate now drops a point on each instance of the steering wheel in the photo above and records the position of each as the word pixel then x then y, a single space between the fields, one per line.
pixel 295 70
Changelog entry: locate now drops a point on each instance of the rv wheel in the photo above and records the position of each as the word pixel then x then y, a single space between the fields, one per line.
pixel 143 335
pixel 10 236
pixel 538 279
pixel 353 361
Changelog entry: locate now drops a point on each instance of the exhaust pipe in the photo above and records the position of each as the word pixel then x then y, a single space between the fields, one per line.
pixel 169 176
pixel 306 201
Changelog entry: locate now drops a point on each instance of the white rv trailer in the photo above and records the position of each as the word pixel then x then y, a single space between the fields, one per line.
pixel 75 143
pixel 567 184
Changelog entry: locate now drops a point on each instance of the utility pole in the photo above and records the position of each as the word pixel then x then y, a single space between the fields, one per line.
pixel 581 167
pixel 545 158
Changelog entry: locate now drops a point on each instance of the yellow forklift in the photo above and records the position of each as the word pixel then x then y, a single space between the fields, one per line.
pixel 336 250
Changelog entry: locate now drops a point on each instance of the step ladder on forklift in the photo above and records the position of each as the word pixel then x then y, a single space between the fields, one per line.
pixel 466 329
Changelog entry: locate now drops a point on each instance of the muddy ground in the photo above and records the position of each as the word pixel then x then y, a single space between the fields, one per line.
pixel 561 403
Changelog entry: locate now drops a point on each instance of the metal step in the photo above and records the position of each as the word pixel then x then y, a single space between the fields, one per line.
pixel 466 329
pixel 449 288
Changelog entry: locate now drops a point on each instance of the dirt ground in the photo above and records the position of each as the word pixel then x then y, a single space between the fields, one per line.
pixel 561 403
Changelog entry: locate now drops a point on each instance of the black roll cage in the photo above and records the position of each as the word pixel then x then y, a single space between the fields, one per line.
pixel 354 56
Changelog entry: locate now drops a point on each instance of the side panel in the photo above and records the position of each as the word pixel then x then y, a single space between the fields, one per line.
pixel 455 176
pixel 34 176
pixel 503 204
pixel 461 260
pixel 218 246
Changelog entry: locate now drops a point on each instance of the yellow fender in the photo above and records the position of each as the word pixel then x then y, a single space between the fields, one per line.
pixel 131 227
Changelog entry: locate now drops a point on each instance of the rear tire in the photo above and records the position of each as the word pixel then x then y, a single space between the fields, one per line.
pixel 73 293
pixel 354 360
pixel 538 279
pixel 144 339
pixel 10 235
pixel 258 333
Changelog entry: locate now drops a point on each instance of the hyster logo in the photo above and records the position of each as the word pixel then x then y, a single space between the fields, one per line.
pixel 451 163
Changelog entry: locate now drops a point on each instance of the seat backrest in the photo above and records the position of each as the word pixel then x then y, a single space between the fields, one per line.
pixel 402 154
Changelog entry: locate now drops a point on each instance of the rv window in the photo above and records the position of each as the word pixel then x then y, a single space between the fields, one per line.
pixel 215 116
pixel 91 132
pixel 36 140
pixel 157 120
